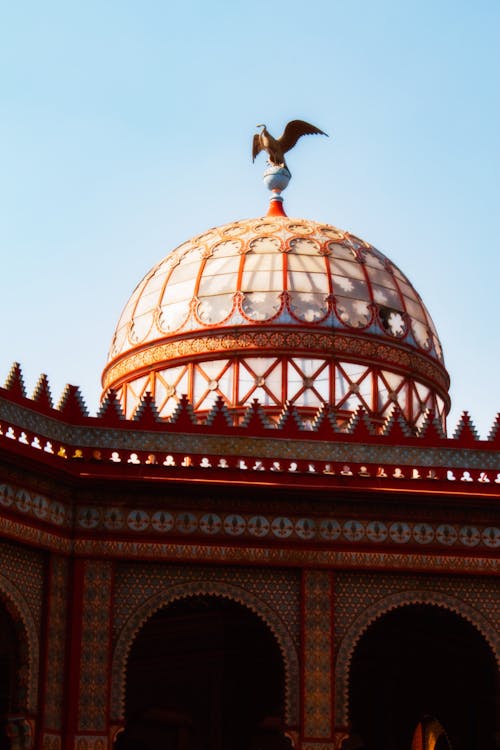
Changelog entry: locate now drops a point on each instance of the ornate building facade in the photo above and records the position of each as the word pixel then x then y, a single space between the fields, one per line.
pixel 265 538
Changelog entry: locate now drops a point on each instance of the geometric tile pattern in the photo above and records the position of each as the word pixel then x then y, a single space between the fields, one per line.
pixel 361 598
pixel 175 551
pixel 56 642
pixel 96 606
pixel 25 568
pixel 317 653
pixel 279 588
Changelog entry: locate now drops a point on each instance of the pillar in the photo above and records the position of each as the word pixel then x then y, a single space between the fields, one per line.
pixel 53 662
pixel 87 704
pixel 317 661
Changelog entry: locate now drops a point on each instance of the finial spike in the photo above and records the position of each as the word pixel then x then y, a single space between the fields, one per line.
pixel 276 206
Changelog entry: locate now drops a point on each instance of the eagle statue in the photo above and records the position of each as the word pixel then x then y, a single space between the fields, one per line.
pixel 277 147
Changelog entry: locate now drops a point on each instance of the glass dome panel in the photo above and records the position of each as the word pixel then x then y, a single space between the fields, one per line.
pixel 226 249
pixel 140 327
pixel 381 277
pixel 184 271
pixel 303 246
pixel 384 295
pixel 220 284
pixel 347 268
pixel 261 305
pixel 373 259
pixel 341 251
pixel 146 303
pixel 119 341
pixel 178 292
pixel 307 306
pixel 156 282
pixel 129 307
pixel 265 245
pixel 408 290
pixel 215 309
pixel 415 309
pixel 307 366
pixel 262 272
pixel 172 316
pixel 345 287
pixel 308 399
pixel 307 274
pixel 219 266
pixel 353 312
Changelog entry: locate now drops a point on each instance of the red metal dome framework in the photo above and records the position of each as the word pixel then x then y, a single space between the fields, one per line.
pixel 285 311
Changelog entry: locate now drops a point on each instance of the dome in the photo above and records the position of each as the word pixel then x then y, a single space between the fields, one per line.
pixel 285 311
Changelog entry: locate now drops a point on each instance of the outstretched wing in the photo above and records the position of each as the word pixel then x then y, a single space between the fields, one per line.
pixel 294 130
pixel 256 147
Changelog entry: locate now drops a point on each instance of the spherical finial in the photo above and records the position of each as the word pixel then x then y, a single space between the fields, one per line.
pixel 276 178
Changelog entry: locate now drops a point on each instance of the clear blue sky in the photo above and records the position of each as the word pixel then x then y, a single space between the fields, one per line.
pixel 125 128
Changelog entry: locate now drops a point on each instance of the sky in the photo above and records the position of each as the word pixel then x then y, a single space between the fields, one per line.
pixel 126 127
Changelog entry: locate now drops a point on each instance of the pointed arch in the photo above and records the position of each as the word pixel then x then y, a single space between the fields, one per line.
pixel 19 611
pixel 237 594
pixel 382 607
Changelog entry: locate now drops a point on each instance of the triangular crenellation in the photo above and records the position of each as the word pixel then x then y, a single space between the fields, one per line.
pixel 183 414
pixel 219 416
pixel 360 425
pixel 15 381
pixel 431 429
pixel 254 418
pixel 71 404
pixel 324 423
pixel 41 394
pixel 146 414
pixel 110 410
pixel 494 433
pixel 289 420
pixel 396 426
pixel 465 432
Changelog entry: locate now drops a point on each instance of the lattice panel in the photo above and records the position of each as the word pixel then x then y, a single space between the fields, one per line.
pixel 280 589
pixel 25 568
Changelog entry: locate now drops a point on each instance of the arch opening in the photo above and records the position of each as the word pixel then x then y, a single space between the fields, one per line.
pixel 419 667
pixel 204 673
pixel 11 694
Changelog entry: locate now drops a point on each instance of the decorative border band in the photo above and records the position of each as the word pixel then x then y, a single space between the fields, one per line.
pixel 357 347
